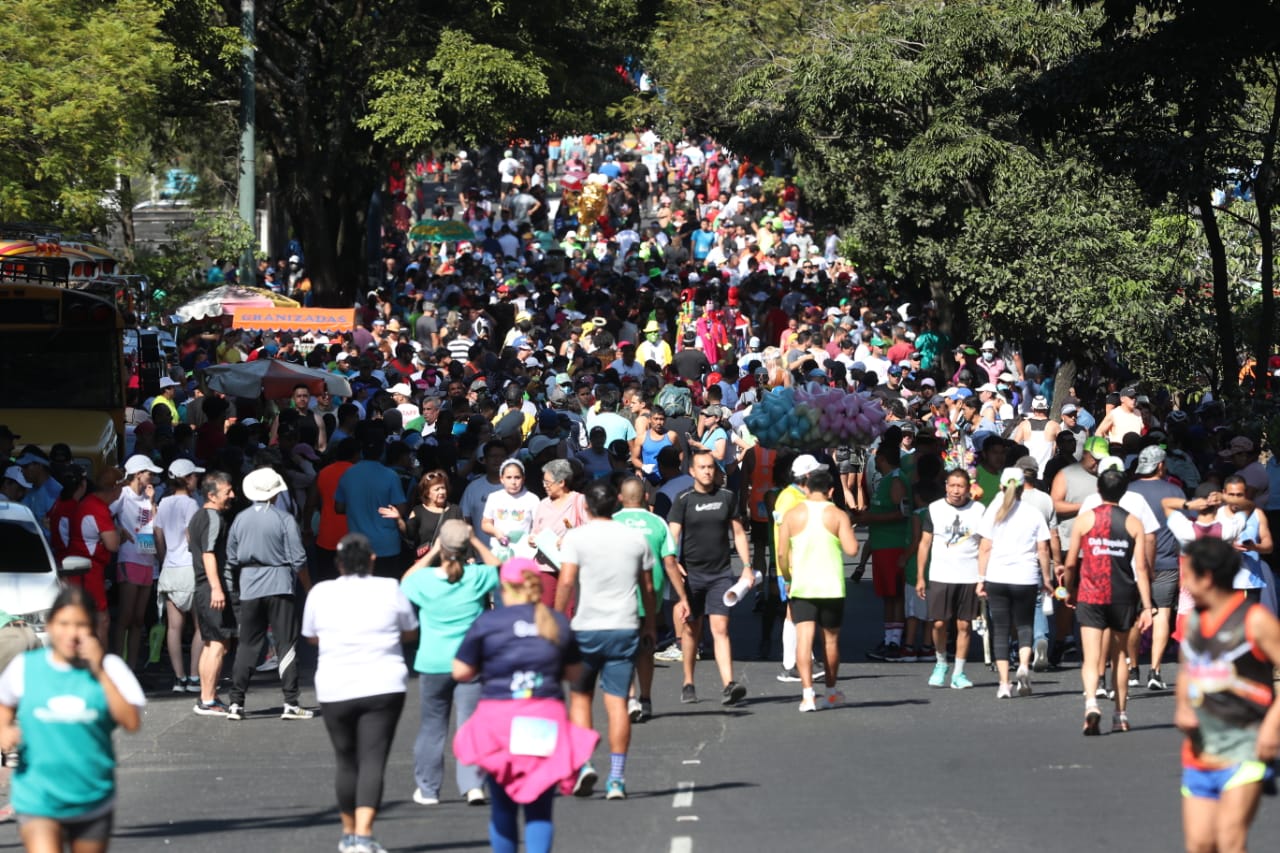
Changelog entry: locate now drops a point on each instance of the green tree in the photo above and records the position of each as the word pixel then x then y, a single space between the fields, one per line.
pixel 79 82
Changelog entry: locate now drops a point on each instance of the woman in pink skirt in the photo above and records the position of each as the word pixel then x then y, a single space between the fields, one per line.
pixel 520 732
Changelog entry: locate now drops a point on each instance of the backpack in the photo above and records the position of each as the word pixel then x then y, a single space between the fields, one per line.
pixel 675 400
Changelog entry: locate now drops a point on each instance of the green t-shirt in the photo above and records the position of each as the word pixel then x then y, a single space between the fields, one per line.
pixel 889 534
pixel 446 611
pixel 990 484
pixel 658 535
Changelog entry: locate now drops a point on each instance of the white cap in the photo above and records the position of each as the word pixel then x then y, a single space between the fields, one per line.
pixel 988 387
pixel 988 344
pixel 263 484
pixel 182 468
pixel 1110 463
pixel 140 462
pixel 400 388
pixel 805 465
pixel 1013 476
pixel 167 382
pixel 13 472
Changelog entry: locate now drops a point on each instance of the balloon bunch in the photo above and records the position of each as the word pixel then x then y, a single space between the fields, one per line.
pixel 813 420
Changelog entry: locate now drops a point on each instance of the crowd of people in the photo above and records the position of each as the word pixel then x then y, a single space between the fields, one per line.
pixel 543 476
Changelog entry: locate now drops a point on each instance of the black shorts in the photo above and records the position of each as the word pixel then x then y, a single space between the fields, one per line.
pixel 218 626
pixel 827 612
pixel 706 594
pixel 1117 617
pixel 1164 589
pixel 947 601
pixel 95 828
pixel 850 460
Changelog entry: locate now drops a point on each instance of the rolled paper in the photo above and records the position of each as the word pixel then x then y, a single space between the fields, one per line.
pixel 734 594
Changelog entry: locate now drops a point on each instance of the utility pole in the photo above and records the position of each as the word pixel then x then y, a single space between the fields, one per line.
pixel 248 170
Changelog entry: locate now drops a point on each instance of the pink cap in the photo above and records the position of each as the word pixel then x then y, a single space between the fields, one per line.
pixel 513 570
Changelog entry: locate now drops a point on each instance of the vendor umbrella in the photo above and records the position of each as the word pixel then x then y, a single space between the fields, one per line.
pixel 440 231
pixel 272 377
pixel 225 299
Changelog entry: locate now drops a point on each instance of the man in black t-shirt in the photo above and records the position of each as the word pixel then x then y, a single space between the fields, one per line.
pixel 691 363
pixel 700 520
pixel 215 594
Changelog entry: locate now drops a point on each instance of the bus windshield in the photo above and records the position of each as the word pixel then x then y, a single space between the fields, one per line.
pixel 61 369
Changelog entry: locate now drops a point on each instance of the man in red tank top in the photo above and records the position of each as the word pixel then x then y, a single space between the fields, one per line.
pixel 1107 577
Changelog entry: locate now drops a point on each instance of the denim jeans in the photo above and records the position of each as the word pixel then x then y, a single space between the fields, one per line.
pixel 441 694
pixel 1041 626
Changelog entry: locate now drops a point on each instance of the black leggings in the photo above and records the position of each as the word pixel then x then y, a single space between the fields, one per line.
pixel 1011 605
pixel 361 731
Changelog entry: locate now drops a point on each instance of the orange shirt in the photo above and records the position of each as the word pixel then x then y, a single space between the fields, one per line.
pixel 332 525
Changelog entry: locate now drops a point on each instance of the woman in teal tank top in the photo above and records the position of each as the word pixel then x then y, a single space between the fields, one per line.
pixel 58 708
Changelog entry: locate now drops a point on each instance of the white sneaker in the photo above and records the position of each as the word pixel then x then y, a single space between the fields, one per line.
pixel 1024 681
pixel 634 710
pixel 1004 691
pixel 423 800
pixel 476 797
pixel 235 712
pixel 295 712
pixel 270 664
pixel 808 704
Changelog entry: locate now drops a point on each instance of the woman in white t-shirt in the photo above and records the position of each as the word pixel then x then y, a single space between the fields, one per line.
pixel 134 513
pixel 508 512
pixel 177 584
pixel 361 623
pixel 1013 564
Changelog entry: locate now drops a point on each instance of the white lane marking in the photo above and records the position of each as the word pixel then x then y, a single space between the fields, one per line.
pixel 691 761
pixel 685 817
pixel 684 796
pixel 682 844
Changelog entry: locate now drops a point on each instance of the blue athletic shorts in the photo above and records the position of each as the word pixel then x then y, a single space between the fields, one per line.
pixel 1209 784
pixel 609 656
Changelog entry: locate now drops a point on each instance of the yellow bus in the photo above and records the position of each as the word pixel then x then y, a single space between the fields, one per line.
pixel 62 368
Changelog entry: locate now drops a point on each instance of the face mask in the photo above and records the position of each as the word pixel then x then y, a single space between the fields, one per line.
pixel 987 355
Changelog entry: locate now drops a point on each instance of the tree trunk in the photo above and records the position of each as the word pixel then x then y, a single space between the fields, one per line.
pixel 1062 382
pixel 1262 199
pixel 1227 356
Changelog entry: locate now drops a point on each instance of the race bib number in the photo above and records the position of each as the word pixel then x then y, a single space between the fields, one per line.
pixel 146 543
pixel 533 736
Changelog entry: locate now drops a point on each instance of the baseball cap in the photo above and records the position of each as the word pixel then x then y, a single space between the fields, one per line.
pixel 167 382
pixel 1070 409
pixel 540 443
pixel 455 535
pixel 181 468
pixel 1110 463
pixel 805 465
pixel 1039 404
pixel 1097 446
pixel 513 570
pixel 1013 476
pixel 13 472
pixel 1239 444
pixel 138 462
pixel 1029 465
pixel 1149 460
pixel 400 388
pixel 987 386
pixel 1129 391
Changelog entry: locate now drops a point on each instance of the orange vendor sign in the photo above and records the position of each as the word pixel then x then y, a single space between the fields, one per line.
pixel 295 319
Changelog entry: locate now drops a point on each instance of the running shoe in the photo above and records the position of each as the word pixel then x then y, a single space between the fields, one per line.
pixel 938 678
pixel 928 653
pixel 271 664
pixel 819 670
pixel 1040 654
pixel 835 699
pixel 476 797
pixel 586 783
pixel 1155 682
pixel 634 711
pixel 1092 721
pixel 423 800
pixel 907 654
pixel 880 652
pixel 1004 691
pixel 193 684
pixel 893 653
pixel 688 695
pixel 235 711
pixel 1055 654
pixel 960 681
pixel 789 675
pixel 1135 677
pixel 362 844
pixel 615 789
pixel 733 693
pixel 180 685
pixel 216 708
pixel 1119 722
pixel 296 712
pixel 646 709
pixel 807 704
pixel 671 654
pixel 1024 681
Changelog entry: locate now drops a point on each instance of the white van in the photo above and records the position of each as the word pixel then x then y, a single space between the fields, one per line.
pixel 28 577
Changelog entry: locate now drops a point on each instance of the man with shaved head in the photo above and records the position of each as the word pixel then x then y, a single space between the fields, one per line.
pixel 635 514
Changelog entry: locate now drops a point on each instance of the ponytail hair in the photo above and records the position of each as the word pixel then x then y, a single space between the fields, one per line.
pixel 1011 480
pixel 529 591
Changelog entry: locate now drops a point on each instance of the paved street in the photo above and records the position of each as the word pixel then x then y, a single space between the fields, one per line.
pixel 903 768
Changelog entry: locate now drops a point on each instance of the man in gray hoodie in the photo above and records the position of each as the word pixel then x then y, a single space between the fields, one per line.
pixel 265 547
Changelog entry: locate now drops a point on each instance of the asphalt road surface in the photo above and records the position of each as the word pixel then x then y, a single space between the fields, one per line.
pixel 902 767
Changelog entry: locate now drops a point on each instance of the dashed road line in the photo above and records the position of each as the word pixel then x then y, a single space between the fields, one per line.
pixel 684 796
